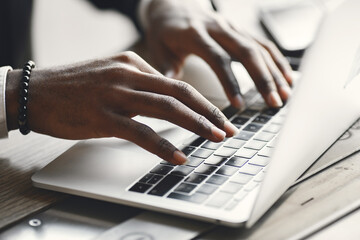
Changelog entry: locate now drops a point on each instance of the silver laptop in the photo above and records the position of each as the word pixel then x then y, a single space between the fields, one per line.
pixel 236 181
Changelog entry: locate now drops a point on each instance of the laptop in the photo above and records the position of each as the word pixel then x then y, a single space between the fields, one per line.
pixel 234 182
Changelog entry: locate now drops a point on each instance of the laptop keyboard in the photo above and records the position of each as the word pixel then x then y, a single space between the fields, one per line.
pixel 220 175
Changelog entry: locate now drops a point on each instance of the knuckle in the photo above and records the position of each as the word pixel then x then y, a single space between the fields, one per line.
pixel 217 114
pixel 144 131
pixel 168 103
pixel 183 88
pixel 128 56
pixel 266 84
pixel 201 121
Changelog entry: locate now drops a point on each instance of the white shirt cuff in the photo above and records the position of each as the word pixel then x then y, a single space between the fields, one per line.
pixel 3 126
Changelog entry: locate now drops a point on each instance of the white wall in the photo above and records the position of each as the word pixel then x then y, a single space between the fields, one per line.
pixel 66 31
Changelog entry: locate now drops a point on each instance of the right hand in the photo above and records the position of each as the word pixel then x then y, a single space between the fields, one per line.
pixel 98 99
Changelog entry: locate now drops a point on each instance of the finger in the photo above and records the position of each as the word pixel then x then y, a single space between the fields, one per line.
pixel 147 138
pixel 278 58
pixel 247 51
pixel 170 109
pixel 220 61
pixel 133 59
pixel 281 83
pixel 189 96
pixel 169 63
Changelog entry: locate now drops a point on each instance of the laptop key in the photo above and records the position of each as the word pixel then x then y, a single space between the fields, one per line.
pixel 241 178
pixel 211 145
pixel 194 198
pixel 231 187
pixel 185 188
pixel 167 163
pixel 219 200
pixel 265 152
pixel 260 160
pixel 140 187
pixel 196 178
pixel 162 169
pixel 251 186
pixel 197 142
pixel 187 150
pixel 262 119
pixel 215 160
pixel 271 111
pixel 250 169
pixel 245 153
pixel 202 153
pixel 249 112
pixel 155 179
pixel 167 183
pixel 227 170
pixel 234 143
pixel 225 152
pixel 273 128
pixel 182 170
pixel 217 179
pixel 255 144
pixel 253 127
pixel 264 136
pixel 239 120
pixel 244 135
pixel 146 178
pixel 194 161
pixel 236 161
pixel 232 204
pixel 205 169
pixel 207 189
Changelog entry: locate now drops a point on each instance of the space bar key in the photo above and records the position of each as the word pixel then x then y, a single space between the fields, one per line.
pixel 165 185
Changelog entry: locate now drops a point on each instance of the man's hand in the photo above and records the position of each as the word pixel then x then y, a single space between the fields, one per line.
pixel 99 98
pixel 176 29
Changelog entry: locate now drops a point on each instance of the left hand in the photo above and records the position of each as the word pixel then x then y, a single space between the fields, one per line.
pixel 177 29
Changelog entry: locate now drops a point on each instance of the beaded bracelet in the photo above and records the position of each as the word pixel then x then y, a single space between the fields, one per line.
pixel 23 99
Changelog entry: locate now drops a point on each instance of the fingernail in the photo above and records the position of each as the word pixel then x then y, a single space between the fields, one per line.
pixel 180 157
pixel 238 101
pixel 285 92
pixel 274 99
pixel 230 128
pixel 218 133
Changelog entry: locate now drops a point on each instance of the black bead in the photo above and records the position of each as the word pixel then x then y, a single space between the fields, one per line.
pixel 27 67
pixel 23 92
pixel 26 79
pixel 22 110
pixel 31 64
pixel 23 100
pixel 22 118
pixel 26 72
pixel 25 85
pixel 24 130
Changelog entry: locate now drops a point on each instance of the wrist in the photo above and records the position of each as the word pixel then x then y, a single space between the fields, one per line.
pixel 12 97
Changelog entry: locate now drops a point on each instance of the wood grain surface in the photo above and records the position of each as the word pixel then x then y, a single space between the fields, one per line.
pixel 20 157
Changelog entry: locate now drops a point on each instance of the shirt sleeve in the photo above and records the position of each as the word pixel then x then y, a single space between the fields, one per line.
pixel 3 126
pixel 127 7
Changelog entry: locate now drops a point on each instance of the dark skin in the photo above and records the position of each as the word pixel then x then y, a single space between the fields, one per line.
pixel 177 29
pixel 98 98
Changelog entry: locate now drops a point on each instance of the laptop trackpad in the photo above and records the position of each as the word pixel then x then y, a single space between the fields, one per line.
pixel 104 164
